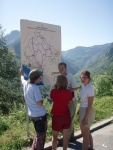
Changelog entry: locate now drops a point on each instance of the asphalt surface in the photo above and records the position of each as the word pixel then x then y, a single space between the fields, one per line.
pixel 103 139
pixel 102 133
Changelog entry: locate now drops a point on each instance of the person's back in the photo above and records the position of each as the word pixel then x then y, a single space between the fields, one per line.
pixel 61 100
pixel 32 95
pixel 61 118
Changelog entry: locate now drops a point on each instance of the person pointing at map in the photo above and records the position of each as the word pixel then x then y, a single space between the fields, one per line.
pixel 36 110
pixel 72 85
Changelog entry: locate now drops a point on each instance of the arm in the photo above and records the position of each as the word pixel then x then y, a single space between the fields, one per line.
pixel 90 102
pixel 21 74
pixel 74 89
pixel 37 95
pixel 40 103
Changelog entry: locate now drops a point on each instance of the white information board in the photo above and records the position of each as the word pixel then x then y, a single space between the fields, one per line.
pixel 41 49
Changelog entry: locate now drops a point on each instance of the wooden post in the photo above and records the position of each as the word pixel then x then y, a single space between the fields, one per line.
pixel 27 121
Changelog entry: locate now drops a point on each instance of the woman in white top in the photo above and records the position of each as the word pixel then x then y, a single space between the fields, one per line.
pixel 86 111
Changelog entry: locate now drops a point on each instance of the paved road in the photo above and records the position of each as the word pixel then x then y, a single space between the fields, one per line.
pixel 103 140
pixel 102 135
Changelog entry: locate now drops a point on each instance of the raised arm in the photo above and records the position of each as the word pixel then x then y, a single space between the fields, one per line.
pixel 21 74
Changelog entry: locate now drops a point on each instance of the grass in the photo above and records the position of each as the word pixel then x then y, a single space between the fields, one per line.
pixel 13 126
pixel 103 107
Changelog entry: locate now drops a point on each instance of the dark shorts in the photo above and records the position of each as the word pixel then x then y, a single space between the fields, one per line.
pixel 61 122
pixel 40 124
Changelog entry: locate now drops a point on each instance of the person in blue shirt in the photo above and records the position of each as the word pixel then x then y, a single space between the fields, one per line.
pixel 36 110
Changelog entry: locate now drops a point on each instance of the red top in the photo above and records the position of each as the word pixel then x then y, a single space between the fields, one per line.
pixel 60 100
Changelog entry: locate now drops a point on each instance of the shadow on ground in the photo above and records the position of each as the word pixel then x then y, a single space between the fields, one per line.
pixel 74 145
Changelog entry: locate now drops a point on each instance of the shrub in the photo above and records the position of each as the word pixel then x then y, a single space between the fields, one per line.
pixel 103 85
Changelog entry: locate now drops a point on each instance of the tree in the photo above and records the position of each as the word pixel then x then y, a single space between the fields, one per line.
pixel 2 39
pixel 103 85
pixel 9 65
pixel 10 91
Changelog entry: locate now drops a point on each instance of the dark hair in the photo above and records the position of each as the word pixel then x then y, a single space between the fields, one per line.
pixel 86 73
pixel 62 82
pixel 32 80
pixel 62 63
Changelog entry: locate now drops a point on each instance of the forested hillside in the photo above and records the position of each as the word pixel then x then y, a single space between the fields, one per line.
pixel 103 64
pixel 10 90
pixel 98 59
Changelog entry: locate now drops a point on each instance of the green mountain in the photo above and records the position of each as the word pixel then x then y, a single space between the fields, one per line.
pixel 97 59
pixel 102 64
pixel 81 56
pixel 73 68
pixel 13 41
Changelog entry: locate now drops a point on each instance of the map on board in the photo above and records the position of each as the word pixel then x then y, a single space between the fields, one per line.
pixel 41 49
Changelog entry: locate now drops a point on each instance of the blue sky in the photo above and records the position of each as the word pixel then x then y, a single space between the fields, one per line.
pixel 83 22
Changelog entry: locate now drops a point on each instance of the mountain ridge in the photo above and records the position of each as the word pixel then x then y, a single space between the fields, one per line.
pixel 78 58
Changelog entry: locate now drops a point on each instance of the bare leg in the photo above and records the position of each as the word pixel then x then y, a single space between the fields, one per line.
pixel 85 133
pixel 91 141
pixel 65 133
pixel 54 140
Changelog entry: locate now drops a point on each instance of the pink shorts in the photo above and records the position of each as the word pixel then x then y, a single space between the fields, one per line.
pixel 61 122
